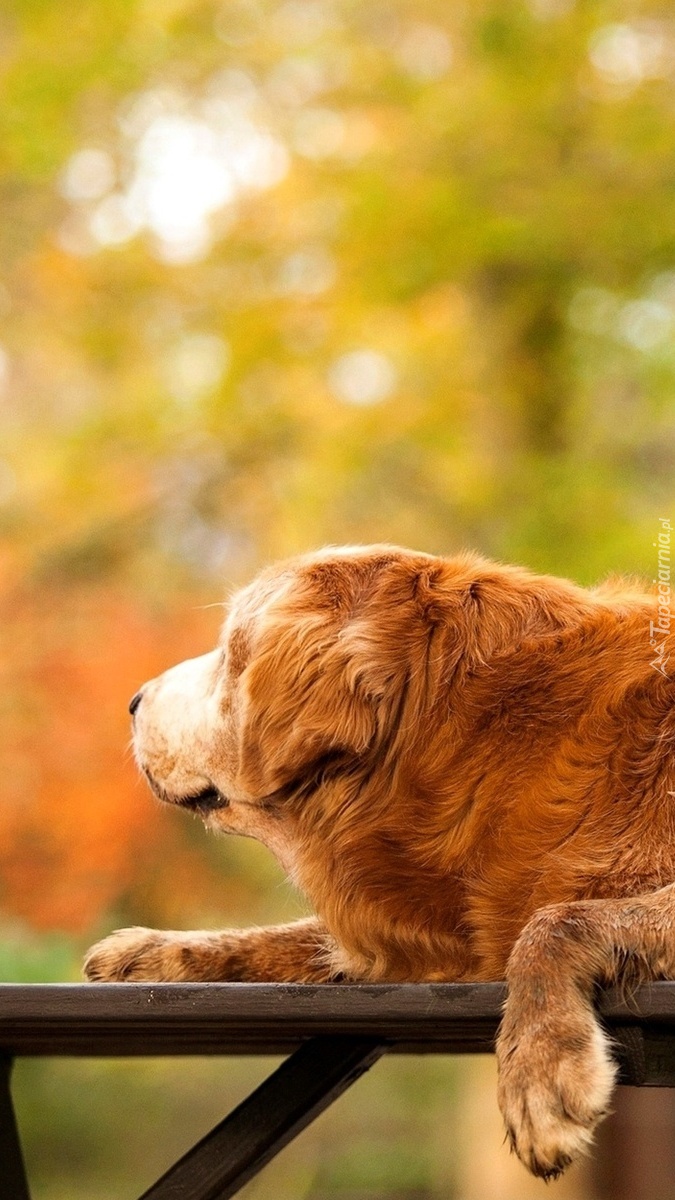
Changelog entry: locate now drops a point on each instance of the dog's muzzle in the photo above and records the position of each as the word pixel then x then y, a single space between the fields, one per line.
pixel 207 800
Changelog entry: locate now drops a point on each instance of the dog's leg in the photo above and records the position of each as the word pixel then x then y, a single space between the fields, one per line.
pixel 556 1072
pixel 299 952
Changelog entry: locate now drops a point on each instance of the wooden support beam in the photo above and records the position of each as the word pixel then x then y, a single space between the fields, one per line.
pixel 13 1181
pixel 284 1104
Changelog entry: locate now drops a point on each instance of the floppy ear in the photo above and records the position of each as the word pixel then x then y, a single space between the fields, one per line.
pixel 304 700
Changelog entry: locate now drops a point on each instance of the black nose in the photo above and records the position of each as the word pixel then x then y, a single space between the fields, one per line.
pixel 135 702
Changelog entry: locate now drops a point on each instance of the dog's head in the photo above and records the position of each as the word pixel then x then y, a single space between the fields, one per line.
pixel 333 665
pixel 310 676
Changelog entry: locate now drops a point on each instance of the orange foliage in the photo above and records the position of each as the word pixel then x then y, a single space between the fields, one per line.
pixel 77 828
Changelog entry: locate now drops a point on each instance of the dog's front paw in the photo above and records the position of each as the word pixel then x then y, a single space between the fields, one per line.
pixel 555 1083
pixel 135 954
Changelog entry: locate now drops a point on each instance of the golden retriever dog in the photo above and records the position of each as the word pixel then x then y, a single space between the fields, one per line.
pixel 468 769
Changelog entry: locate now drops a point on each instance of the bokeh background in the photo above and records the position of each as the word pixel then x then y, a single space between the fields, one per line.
pixel 276 273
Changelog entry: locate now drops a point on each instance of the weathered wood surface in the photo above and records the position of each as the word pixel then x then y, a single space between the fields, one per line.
pixel 231 1018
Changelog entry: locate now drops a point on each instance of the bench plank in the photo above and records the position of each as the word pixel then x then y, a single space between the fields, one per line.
pixel 124 1019
pixel 127 1019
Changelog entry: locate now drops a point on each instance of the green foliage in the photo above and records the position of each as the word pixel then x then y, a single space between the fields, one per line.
pixel 455 182
pixel 27 958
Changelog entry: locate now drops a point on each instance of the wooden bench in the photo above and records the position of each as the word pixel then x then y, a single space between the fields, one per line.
pixel 331 1035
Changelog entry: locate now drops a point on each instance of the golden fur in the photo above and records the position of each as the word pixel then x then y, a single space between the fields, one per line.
pixel 469 771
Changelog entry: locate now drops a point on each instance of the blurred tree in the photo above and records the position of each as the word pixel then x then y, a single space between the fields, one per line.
pixel 281 273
